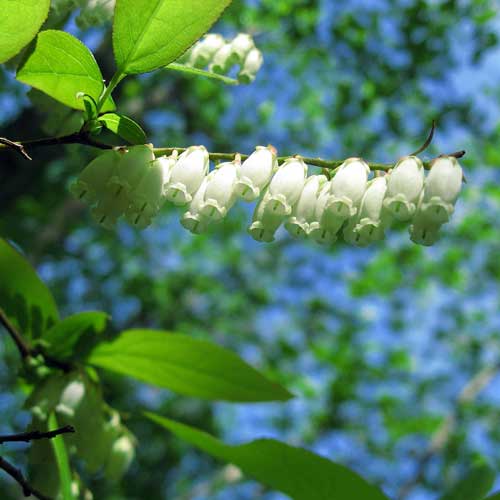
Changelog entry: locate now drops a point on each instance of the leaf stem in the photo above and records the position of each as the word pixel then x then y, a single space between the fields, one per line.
pixel 117 78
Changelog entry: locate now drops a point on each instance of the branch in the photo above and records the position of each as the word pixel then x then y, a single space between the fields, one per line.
pixel 86 140
pixel 33 435
pixel 16 146
pixel 443 434
pixel 16 474
pixel 25 350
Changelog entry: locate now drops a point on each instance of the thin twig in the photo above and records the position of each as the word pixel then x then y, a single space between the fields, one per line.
pixel 21 344
pixel 16 146
pixel 427 142
pixel 16 474
pixel 443 434
pixel 33 435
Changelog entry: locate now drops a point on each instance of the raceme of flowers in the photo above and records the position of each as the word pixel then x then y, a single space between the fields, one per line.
pixel 353 204
pixel 218 55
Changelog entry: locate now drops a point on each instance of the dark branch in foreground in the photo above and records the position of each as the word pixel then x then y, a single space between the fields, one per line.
pixel 16 146
pixel 16 474
pixel 33 435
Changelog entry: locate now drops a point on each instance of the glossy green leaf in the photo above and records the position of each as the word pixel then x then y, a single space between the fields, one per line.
pixel 124 127
pixel 474 486
pixel 297 472
pixel 185 365
pixel 67 337
pixel 19 23
pixel 62 461
pixel 201 72
pixel 24 298
pixel 63 67
pixel 149 34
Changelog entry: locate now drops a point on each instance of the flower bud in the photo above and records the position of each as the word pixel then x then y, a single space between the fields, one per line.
pixel 219 194
pixel 92 181
pixel 193 220
pixel 304 211
pixel 370 224
pixel 253 62
pixel 241 45
pixel 442 187
pixel 147 198
pixel 286 186
pixel 131 168
pixel 121 456
pixel 324 228
pixel 404 185
pixel 255 173
pixel 265 223
pixel 223 60
pixel 203 52
pixel 347 188
pixel 187 175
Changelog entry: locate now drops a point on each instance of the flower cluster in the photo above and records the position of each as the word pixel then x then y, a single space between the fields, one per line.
pixel 352 204
pixel 218 55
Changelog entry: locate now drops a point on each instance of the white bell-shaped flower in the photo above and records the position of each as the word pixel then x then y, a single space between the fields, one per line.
pixel 223 60
pixel 423 234
pixel 203 52
pixel 324 228
pixel 253 62
pixel 347 188
pixel 187 175
pixel 256 172
pixel 351 236
pixel 304 211
pixel 241 45
pixel 404 185
pixel 286 186
pixel 442 187
pixel 193 220
pixel 147 199
pixel 264 223
pixel 132 168
pixel 219 194
pixel 93 179
pixel 110 207
pixel 370 224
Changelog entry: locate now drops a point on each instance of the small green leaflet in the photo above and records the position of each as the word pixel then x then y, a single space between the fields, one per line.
pixel 296 472
pixel 124 127
pixel 62 460
pixel 24 298
pixel 201 72
pixel 65 338
pixel 474 486
pixel 19 23
pixel 150 34
pixel 64 68
pixel 185 365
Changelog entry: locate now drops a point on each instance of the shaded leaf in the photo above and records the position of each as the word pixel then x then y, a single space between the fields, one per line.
pixel 295 471
pixel 19 23
pixel 149 34
pixel 62 460
pixel 64 68
pixel 24 298
pixel 67 337
pixel 124 127
pixel 185 365
pixel 474 486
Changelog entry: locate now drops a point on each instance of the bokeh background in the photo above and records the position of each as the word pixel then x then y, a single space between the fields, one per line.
pixel 377 344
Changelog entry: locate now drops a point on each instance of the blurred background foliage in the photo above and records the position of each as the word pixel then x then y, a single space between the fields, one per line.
pixel 376 343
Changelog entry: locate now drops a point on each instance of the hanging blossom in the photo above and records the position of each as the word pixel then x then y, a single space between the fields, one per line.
pixel 352 205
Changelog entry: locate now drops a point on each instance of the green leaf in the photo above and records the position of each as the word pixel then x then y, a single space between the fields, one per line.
pixel 63 67
pixel 19 23
pixel 201 72
pixel 495 496
pixel 24 298
pixel 61 460
pixel 297 472
pixel 474 486
pixel 124 127
pixel 185 365
pixel 150 34
pixel 67 338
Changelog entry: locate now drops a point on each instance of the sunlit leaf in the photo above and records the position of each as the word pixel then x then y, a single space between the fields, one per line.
pixel 185 365
pixel 124 127
pixel 62 460
pixel 295 471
